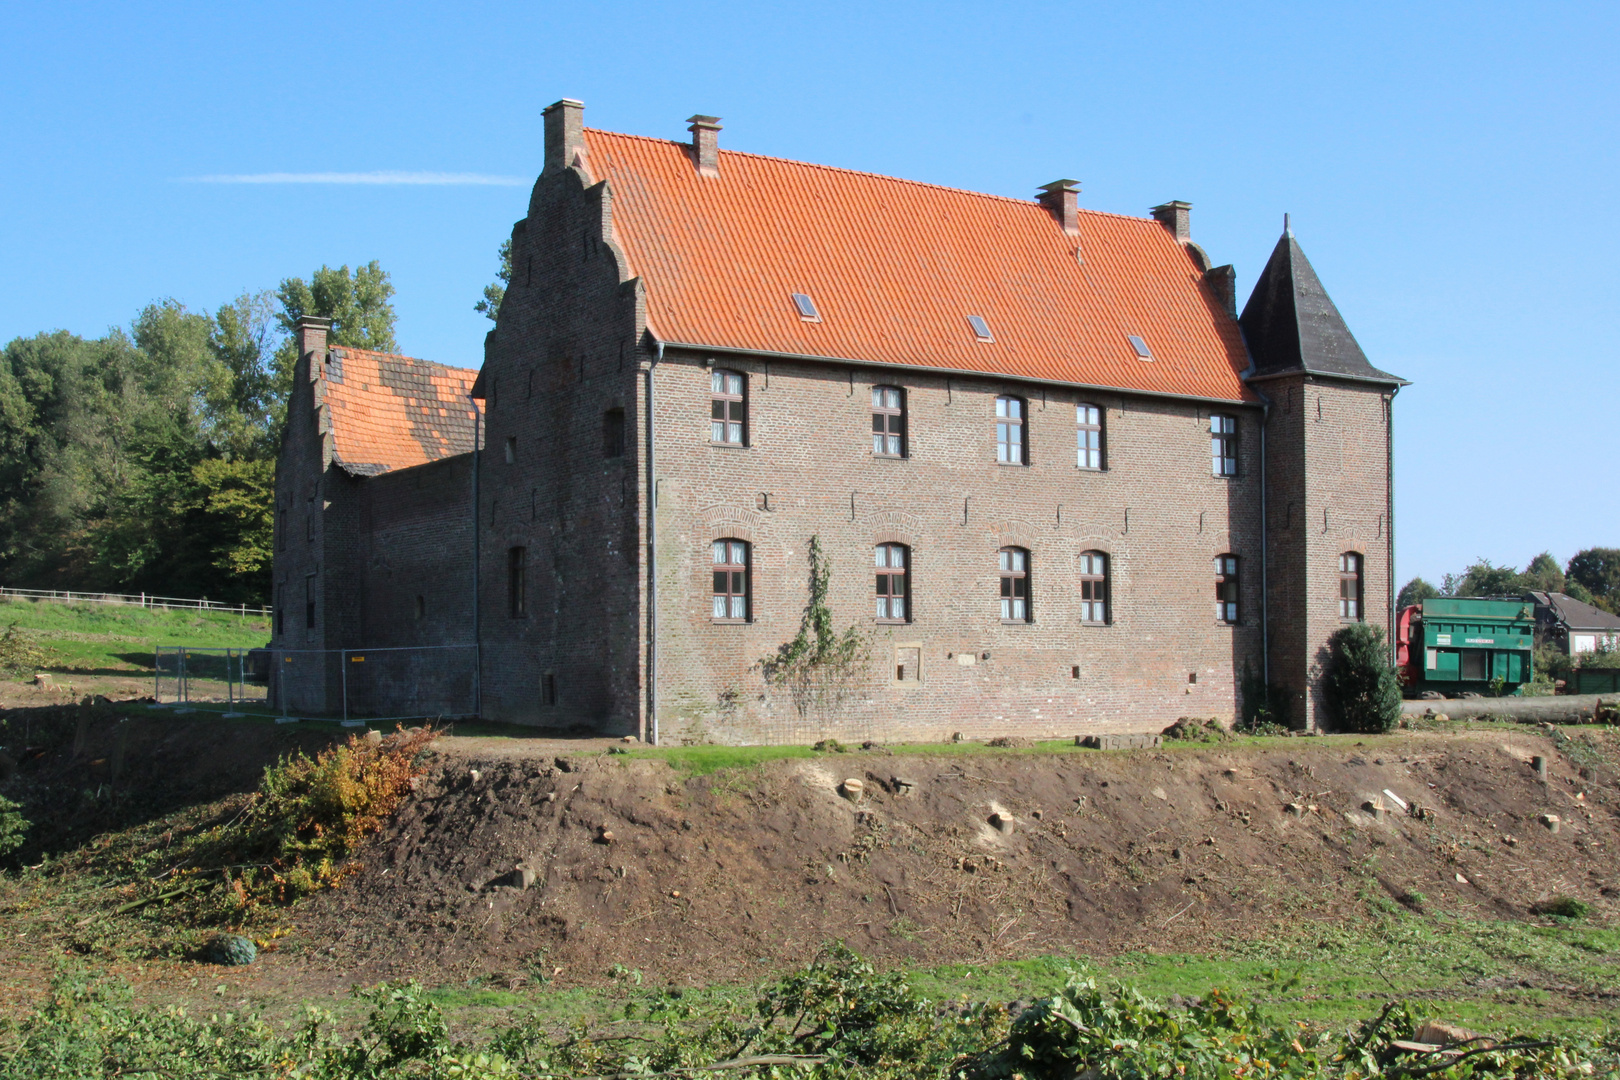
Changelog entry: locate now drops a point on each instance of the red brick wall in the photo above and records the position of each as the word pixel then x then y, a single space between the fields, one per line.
pixel 810 453
pixel 1329 461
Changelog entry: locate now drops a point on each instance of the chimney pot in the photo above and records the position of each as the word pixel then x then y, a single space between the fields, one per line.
pixel 705 144
pixel 1062 200
pixel 1176 217
pixel 565 133
pixel 310 333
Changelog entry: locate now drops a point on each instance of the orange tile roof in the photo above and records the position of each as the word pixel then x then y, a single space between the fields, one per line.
pixel 392 412
pixel 896 267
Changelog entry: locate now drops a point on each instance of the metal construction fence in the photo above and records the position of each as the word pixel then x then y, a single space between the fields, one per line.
pixel 352 686
pixel 61 596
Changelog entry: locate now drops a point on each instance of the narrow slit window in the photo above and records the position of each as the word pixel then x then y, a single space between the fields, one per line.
pixel 1089 436
pixel 1014 585
pixel 981 328
pixel 517 600
pixel 1010 449
pixel 731 580
pixel 1223 441
pixel 1226 588
pixel 548 688
pixel 728 410
pixel 511 449
pixel 888 421
pixel 1350 586
pixel 1094 588
pixel 893 592
pixel 613 433
pixel 806 307
pixel 421 607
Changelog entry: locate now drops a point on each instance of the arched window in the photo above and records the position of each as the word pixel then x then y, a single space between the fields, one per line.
pixel 1226 588
pixel 1089 435
pixel 1014 585
pixel 1350 586
pixel 1223 444
pixel 893 593
pixel 1010 448
pixel 1094 588
pixel 728 408
pixel 731 580
pixel 888 421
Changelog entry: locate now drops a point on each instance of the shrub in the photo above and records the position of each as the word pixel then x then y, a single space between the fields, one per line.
pixel 1361 688
pixel 18 653
pixel 1563 907
pixel 13 826
pixel 1265 706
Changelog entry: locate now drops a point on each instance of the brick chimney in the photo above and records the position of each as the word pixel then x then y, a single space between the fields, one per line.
pixel 309 333
pixel 705 144
pixel 1176 217
pixel 1223 279
pixel 1062 200
pixel 565 133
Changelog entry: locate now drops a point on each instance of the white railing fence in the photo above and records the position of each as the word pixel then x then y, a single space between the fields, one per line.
pixel 61 596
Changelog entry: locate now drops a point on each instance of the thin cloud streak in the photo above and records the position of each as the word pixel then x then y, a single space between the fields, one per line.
pixel 431 179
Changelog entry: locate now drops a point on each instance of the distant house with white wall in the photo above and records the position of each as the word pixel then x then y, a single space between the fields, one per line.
pixel 1575 627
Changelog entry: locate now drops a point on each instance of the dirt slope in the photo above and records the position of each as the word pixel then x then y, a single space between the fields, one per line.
pixel 705 877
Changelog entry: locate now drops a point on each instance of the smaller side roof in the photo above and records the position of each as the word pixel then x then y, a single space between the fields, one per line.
pixel 392 412
pixel 1574 614
pixel 1290 324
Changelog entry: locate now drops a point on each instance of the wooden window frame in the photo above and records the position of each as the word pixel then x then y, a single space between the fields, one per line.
pixel 726 409
pixel 734 572
pixel 1007 425
pixel 888 422
pixel 1095 588
pixel 1228 587
pixel 888 576
pixel 1351 566
pixel 517 582
pixel 1015 585
pixel 1223 445
pixel 1083 427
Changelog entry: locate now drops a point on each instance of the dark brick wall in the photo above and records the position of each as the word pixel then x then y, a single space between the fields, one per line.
pixel 563 354
pixel 1328 495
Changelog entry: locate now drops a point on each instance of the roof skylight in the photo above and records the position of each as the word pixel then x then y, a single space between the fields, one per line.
pixel 807 307
pixel 1140 346
pixel 981 329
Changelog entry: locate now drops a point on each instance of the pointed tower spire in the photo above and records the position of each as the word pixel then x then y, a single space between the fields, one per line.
pixel 1292 325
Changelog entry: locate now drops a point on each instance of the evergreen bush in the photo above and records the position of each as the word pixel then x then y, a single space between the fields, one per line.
pixel 1362 688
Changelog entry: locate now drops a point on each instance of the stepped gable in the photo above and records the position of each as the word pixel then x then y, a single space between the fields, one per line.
pixel 1291 324
pixel 391 412
pixel 895 268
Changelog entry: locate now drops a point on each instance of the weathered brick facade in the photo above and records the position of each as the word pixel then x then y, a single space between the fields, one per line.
pixel 574 470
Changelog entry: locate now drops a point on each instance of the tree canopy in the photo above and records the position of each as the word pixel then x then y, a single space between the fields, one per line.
pixel 144 460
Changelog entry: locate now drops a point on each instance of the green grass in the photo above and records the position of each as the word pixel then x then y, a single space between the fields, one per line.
pixel 119 639
pixel 1460 970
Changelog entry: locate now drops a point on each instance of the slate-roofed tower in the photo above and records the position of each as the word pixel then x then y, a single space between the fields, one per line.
pixel 1330 512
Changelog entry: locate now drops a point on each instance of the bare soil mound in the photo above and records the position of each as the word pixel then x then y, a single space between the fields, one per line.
pixel 578 867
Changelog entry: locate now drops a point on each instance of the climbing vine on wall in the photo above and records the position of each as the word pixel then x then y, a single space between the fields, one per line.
pixel 822 671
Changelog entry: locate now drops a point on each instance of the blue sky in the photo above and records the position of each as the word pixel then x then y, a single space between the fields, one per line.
pixel 1450 168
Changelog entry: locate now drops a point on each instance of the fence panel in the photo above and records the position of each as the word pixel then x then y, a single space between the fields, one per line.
pixel 353 685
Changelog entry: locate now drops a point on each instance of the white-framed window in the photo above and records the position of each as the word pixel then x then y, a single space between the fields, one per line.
pixel 1014 584
pixel 893 591
pixel 1088 436
pixel 1223 442
pixel 1226 588
pixel 731 580
pixel 1094 588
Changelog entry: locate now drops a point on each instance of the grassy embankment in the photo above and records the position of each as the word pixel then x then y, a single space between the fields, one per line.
pixel 119 640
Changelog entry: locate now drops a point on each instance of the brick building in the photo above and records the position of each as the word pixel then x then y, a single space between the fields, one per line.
pixel 1062 485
